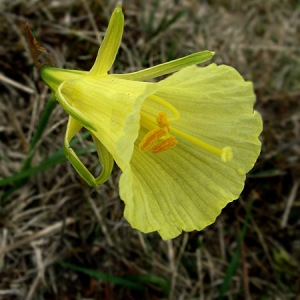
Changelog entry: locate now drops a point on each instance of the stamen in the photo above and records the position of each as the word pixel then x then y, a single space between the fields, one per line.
pixel 159 139
pixel 163 122
pixel 225 153
pixel 164 145
pixel 149 121
pixel 152 139
pixel 167 105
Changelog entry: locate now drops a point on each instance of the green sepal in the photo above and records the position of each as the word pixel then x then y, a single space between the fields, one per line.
pixel 109 48
pixel 168 67
pixel 105 158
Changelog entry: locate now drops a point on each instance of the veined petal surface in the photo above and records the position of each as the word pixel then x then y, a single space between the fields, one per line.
pixel 186 187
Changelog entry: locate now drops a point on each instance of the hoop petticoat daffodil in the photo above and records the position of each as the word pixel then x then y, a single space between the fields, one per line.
pixel 184 144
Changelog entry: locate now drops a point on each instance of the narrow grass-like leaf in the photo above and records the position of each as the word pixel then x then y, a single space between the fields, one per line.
pixel 105 277
pixel 166 23
pixel 50 105
pixel 147 25
pixel 56 158
pixel 165 285
pixel 234 263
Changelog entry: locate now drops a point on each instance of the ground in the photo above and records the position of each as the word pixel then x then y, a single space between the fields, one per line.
pixel 60 239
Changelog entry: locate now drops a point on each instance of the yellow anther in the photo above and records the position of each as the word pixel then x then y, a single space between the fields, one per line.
pixel 164 145
pixel 158 139
pixel 151 138
pixel 162 121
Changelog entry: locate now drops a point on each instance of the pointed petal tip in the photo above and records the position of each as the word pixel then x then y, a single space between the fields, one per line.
pixel 118 7
pixel 209 53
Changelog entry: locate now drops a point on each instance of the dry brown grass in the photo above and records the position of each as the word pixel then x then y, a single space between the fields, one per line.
pixel 55 217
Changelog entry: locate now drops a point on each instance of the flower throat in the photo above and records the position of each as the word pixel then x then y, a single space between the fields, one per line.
pixel 159 138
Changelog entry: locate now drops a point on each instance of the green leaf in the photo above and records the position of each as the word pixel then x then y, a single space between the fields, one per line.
pixel 105 277
pixel 234 263
pixel 57 158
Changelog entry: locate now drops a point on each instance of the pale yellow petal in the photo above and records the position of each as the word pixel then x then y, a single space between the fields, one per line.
pixel 216 106
pixel 186 187
pixel 176 190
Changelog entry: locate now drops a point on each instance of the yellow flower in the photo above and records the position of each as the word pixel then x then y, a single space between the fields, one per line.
pixel 184 144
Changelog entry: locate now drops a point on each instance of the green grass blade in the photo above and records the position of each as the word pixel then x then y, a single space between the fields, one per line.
pixel 166 23
pixel 164 284
pixel 105 277
pixel 56 158
pixel 234 263
pixel 50 105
